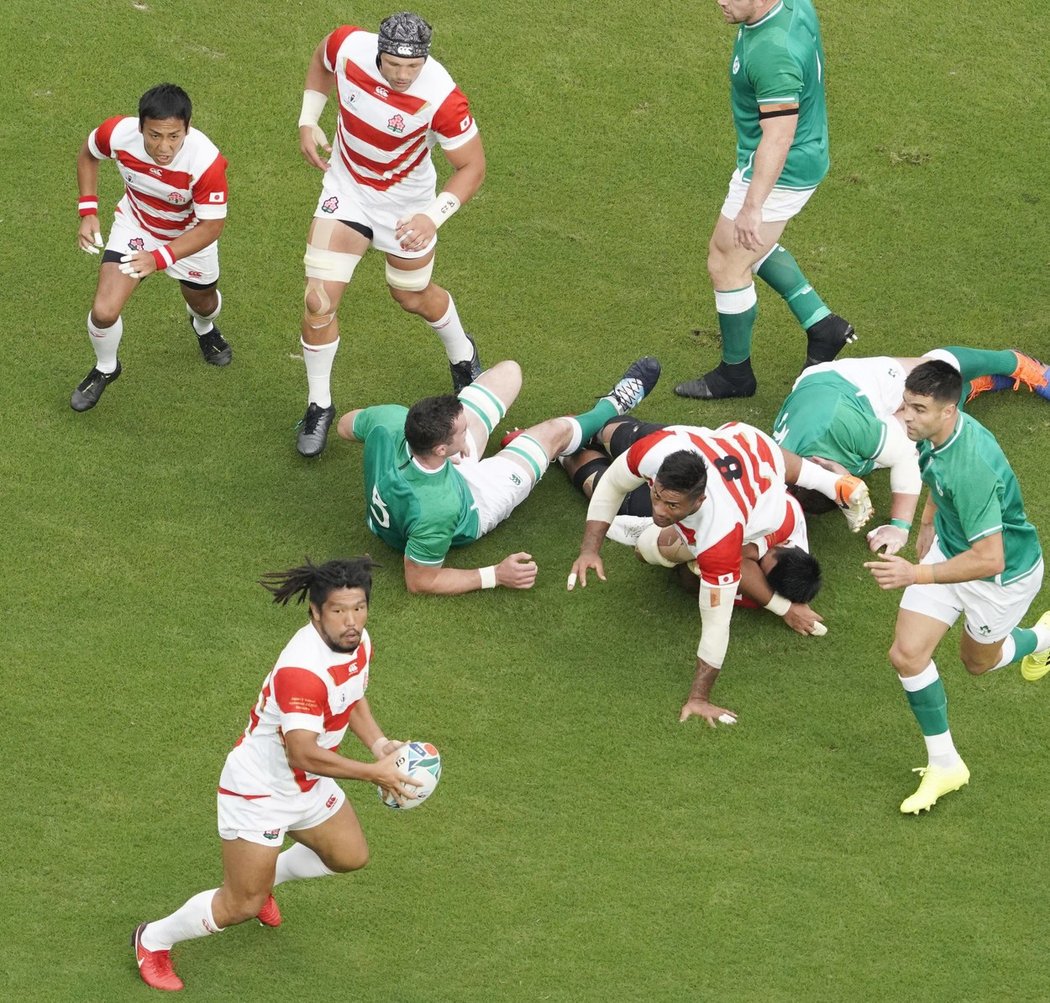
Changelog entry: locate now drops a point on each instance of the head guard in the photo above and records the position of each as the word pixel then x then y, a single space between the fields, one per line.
pixel 406 35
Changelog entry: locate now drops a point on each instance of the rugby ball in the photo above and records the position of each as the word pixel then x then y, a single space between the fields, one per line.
pixel 422 762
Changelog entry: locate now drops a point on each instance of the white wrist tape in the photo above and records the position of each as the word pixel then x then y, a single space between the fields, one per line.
pixel 378 744
pixel 488 577
pixel 778 604
pixel 313 106
pixel 442 208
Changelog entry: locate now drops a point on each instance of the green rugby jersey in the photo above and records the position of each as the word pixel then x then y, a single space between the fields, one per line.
pixel 976 494
pixel 780 59
pixel 419 512
pixel 826 415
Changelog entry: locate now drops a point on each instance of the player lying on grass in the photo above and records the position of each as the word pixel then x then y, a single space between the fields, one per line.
pixel 169 220
pixel 427 488
pixel 280 777
pixel 848 415
pixel 777 572
pixel 719 489
pixel 980 558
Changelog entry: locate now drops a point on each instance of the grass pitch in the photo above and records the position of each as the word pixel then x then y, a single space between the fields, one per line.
pixel 582 844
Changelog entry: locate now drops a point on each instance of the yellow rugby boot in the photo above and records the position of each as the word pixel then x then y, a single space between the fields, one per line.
pixel 1037 664
pixel 936 780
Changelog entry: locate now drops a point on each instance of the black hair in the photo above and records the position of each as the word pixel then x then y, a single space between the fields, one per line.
pixel 165 101
pixel 429 422
pixel 685 471
pixel 796 575
pixel 936 379
pixel 320 580
pixel 813 502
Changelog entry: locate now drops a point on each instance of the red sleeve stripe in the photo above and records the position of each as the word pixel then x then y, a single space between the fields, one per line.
pixel 104 133
pixel 299 691
pixel 334 42
pixel 638 449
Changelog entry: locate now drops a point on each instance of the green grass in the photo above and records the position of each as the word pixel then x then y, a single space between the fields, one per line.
pixel 582 845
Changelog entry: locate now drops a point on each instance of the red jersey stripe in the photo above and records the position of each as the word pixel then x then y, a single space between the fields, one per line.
pixel 731 487
pixel 381 90
pixel 357 127
pixel 743 482
pixel 177 179
pixel 334 40
pixel 382 184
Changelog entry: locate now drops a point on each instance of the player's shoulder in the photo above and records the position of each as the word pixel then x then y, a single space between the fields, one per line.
pixel 200 147
pixel 435 78
pixel 119 131
pixel 303 651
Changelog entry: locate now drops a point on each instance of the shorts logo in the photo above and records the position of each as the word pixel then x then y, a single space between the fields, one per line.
pixel 736 65
pixel 396 124
pixel 176 198
pixel 330 802
pixel 137 244
pixel 271 833
pixel 196 275
pixel 330 204
pixel 515 480
pixel 985 630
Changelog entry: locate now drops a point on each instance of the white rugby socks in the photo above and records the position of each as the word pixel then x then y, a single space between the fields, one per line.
pixel 105 341
pixel 192 920
pixel 319 359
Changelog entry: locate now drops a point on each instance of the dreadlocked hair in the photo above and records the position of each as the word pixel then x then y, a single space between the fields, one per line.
pixel 318 581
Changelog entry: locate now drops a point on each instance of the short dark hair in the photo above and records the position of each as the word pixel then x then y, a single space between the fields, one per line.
pixel 320 580
pixel 796 575
pixel 813 502
pixel 685 471
pixel 936 379
pixel 429 422
pixel 165 101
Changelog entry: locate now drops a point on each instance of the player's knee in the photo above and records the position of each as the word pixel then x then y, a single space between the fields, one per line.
pixel 318 309
pixel 906 659
pixel 244 906
pixel 409 301
pixel 104 314
pixel 978 662
pixel 408 286
pixel 349 858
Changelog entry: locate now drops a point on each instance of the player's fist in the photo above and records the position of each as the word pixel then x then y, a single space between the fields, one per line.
pixel 518 571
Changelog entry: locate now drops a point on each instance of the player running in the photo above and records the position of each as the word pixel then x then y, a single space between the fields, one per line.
pixel 980 558
pixel 169 220
pixel 849 415
pixel 394 104
pixel 427 488
pixel 719 489
pixel 279 778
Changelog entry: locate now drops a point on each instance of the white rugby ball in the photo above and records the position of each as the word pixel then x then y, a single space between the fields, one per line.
pixel 422 762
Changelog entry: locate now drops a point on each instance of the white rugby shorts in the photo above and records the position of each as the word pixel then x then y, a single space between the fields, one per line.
pixel 497 484
pixel 345 200
pixel 265 820
pixel 782 203
pixel 991 610
pixel 202 267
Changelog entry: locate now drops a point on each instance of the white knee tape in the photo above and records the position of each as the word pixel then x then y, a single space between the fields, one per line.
pixel 414 281
pixel 483 403
pixel 527 448
pixel 648 546
pixel 331 266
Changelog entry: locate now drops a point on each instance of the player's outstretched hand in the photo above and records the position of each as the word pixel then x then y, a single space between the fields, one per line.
pixel 89 237
pixel 311 139
pixel 584 563
pixel 802 619
pixel 518 571
pixel 892 538
pixel 893 572
pixel 416 232
pixel 394 783
pixel 711 713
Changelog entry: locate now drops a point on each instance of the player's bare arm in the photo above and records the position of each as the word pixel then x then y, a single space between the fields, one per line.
pixel 984 559
pixel 139 264
pixel 89 235
pixel 699 702
pixel 369 734
pixel 468 172
pixel 318 85
pixel 924 540
pixel 516 571
pixel 778 133
pixel 304 753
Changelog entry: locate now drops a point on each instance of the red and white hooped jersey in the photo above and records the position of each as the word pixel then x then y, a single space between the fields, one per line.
pixel 384 137
pixel 746 497
pixel 168 200
pixel 310 687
